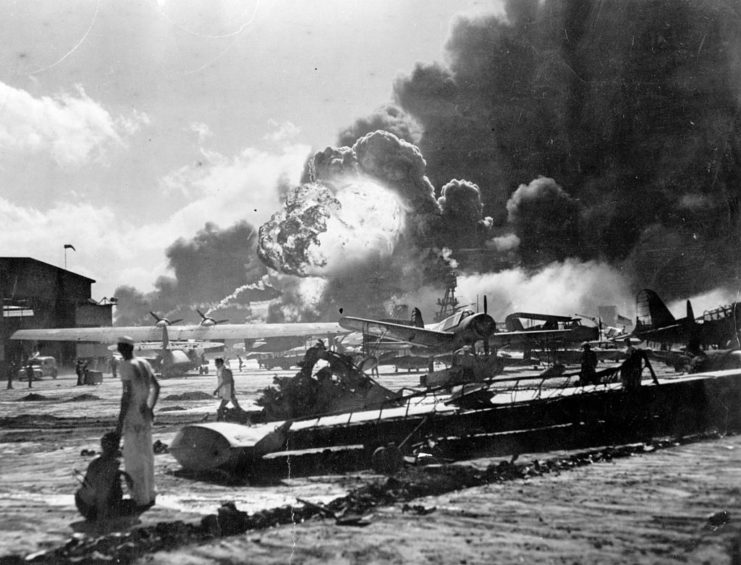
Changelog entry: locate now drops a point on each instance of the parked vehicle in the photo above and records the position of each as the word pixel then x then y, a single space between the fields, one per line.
pixel 42 367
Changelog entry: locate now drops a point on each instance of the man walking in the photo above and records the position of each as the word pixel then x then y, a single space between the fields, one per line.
pixel 224 388
pixel 140 393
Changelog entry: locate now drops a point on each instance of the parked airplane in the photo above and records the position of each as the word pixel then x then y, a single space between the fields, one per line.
pixel 178 337
pixel 467 328
pixel 462 328
pixel 655 323
pixel 174 358
pixel 544 331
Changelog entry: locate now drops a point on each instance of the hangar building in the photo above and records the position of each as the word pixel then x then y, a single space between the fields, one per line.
pixel 37 295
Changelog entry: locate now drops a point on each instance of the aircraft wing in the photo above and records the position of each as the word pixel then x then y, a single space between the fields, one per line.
pixel 536 337
pixel 675 333
pixel 255 331
pixel 101 335
pixel 521 337
pixel 401 332
pixel 182 333
pixel 157 345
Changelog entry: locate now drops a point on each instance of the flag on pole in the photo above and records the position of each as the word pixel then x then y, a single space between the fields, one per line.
pixel 70 246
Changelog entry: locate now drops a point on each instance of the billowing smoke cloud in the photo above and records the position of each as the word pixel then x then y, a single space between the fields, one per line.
pixel 568 288
pixel 462 215
pixel 368 221
pixel 545 219
pixel 632 107
pixel 389 118
pixel 574 152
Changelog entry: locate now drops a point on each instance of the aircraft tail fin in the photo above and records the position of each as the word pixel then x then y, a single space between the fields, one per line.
pixel 513 324
pixel 338 345
pixel 690 313
pixel 417 320
pixel 651 312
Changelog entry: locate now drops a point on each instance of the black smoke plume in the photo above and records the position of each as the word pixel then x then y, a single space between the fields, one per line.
pixel 545 219
pixel 206 269
pixel 631 106
pixel 389 118
pixel 604 134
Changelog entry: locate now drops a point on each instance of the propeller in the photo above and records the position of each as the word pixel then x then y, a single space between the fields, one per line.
pixel 482 327
pixel 486 341
pixel 204 318
pixel 165 320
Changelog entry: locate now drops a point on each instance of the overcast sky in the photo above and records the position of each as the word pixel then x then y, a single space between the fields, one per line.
pixel 126 125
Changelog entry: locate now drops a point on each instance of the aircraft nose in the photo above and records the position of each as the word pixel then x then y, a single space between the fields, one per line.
pixel 484 325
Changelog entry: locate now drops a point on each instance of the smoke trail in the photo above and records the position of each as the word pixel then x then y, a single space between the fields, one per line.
pixel 206 268
pixel 241 297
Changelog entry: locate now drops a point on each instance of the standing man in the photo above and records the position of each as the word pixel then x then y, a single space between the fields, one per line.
pixel 140 393
pixel 12 368
pixel 588 366
pixel 224 388
pixel 79 370
pixel 29 373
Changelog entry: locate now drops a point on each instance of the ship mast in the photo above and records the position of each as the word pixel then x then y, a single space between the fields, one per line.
pixel 449 303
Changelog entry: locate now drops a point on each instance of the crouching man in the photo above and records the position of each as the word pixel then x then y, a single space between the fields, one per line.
pixel 100 497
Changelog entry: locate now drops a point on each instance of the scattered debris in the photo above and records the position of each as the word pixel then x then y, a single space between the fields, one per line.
pixel 341 518
pixel 83 398
pixel 160 447
pixel 196 395
pixel 418 509
pixel 717 520
pixel 32 397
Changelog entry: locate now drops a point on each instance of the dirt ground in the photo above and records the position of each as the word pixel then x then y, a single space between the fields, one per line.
pixel 676 505
pixel 649 504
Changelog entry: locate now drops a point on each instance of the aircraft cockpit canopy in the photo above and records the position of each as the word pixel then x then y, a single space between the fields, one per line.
pixel 456 319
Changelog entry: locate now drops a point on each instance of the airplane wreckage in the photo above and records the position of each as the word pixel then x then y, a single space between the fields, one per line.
pixel 340 414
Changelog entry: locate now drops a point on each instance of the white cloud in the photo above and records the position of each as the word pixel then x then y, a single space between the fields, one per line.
pixel 201 130
pixel 114 251
pixel 72 129
pixel 224 189
pixel 282 131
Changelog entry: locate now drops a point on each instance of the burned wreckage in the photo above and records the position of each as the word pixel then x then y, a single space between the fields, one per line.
pixel 339 386
pixel 340 414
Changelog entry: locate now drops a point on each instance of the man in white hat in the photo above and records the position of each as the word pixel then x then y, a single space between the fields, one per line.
pixel 140 393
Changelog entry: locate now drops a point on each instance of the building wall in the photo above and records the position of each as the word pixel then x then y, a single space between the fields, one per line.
pixel 37 295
